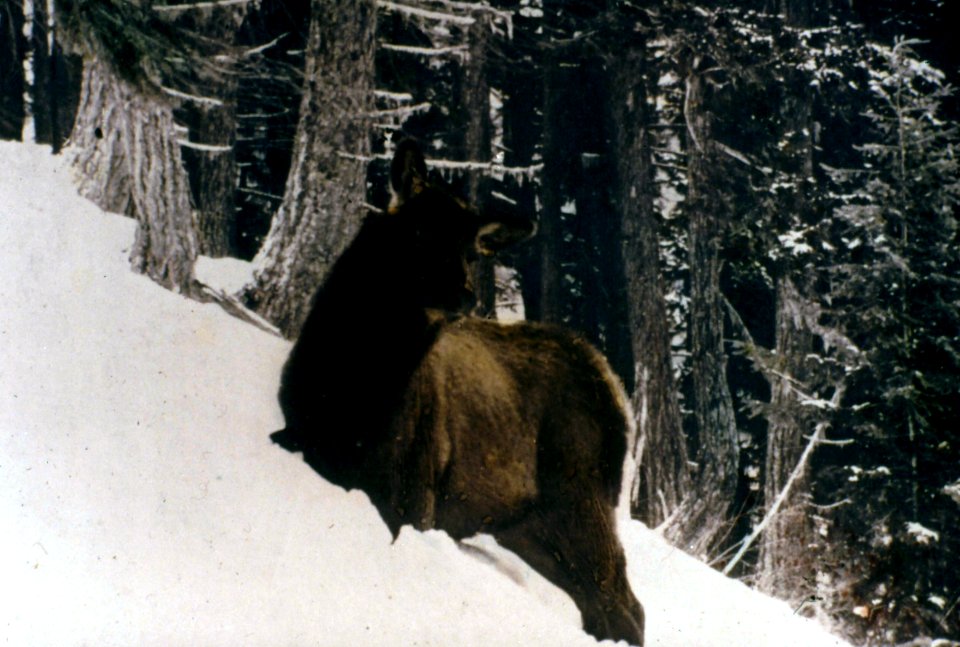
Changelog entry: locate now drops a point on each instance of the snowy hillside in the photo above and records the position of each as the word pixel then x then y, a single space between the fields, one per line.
pixel 142 503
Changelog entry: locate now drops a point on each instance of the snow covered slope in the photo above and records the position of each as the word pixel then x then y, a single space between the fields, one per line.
pixel 142 503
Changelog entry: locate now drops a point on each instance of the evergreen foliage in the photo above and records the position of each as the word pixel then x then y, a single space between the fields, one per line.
pixel 896 289
pixel 139 43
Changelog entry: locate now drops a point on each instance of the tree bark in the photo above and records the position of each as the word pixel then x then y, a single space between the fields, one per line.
pixel 128 160
pixel 555 154
pixel 325 194
pixel 12 52
pixel 787 561
pixel 212 167
pixel 582 284
pixel 213 175
pixel 702 522
pixel 522 87
pixel 41 101
pixel 662 480
pixel 476 100
pixel 787 565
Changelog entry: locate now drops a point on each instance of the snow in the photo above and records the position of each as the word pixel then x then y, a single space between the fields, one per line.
pixel 921 534
pixel 229 275
pixel 142 502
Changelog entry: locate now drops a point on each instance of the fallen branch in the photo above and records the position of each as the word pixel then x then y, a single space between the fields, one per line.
pixel 815 439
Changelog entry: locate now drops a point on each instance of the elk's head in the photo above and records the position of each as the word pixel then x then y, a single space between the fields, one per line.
pixel 441 235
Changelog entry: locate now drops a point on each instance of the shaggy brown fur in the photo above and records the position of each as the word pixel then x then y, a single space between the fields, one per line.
pixel 458 423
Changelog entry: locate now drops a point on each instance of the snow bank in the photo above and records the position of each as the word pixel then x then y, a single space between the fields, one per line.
pixel 142 503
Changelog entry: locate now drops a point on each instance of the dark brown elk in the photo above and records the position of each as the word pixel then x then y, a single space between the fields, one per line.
pixel 453 422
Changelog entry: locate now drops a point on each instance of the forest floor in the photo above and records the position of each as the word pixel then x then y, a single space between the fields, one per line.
pixel 142 503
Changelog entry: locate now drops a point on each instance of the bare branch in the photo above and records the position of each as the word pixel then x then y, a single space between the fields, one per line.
pixel 198 5
pixel 208 101
pixel 816 438
pixel 425 13
pixel 452 165
pixel 457 50
pixel 207 148
pixel 404 111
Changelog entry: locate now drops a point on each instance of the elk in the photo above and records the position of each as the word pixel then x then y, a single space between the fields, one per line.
pixel 459 423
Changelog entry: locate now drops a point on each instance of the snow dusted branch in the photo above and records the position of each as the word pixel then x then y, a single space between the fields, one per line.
pixel 262 194
pixel 402 112
pixel 207 148
pixel 262 48
pixel 452 165
pixel 457 50
pixel 473 7
pixel 741 157
pixel 425 13
pixel 207 101
pixel 815 439
pixel 399 97
pixel 199 5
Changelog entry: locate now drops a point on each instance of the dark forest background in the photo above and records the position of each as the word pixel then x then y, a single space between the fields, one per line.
pixel 750 206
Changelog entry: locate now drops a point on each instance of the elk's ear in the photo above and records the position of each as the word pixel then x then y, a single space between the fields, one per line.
pixel 503 232
pixel 408 173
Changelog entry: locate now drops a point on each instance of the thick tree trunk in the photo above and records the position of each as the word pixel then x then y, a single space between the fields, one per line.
pixel 326 190
pixel 12 52
pixel 787 566
pixel 213 176
pixel 582 285
pixel 703 521
pixel 476 100
pixel 211 160
pixel 128 161
pixel 787 561
pixel 662 480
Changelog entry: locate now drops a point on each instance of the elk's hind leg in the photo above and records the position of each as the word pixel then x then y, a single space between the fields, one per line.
pixel 575 547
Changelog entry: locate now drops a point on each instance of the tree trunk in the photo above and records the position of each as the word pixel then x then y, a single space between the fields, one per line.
pixel 56 81
pixel 662 479
pixel 522 86
pixel 787 566
pixel 213 175
pixel 325 195
pixel 556 141
pixel 211 164
pixel 787 562
pixel 582 284
pixel 128 160
pixel 12 53
pixel 41 101
pixel 476 101
pixel 703 521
